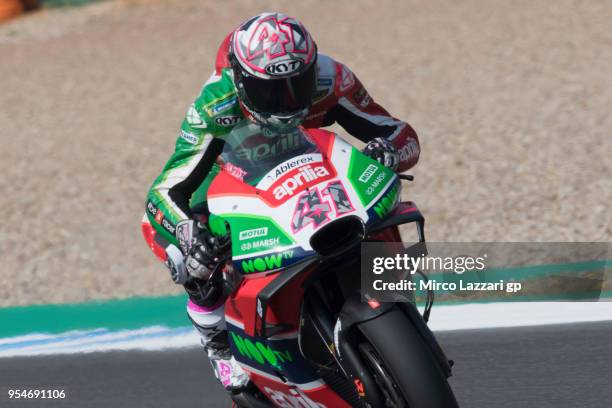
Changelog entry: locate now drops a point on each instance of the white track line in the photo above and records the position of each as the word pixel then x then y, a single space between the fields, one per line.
pixel 443 318
pixel 513 314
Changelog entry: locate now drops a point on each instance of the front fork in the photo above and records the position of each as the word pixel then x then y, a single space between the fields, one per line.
pixel 340 347
pixel 338 339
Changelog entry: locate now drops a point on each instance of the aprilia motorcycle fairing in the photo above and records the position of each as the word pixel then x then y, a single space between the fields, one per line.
pixel 297 206
pixel 275 206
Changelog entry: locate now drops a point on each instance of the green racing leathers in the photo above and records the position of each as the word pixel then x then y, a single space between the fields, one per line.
pixel 340 98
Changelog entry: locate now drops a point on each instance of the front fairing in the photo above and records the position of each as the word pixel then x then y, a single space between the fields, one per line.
pixel 276 191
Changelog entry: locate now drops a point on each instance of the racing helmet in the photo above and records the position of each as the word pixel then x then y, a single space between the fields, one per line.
pixel 273 59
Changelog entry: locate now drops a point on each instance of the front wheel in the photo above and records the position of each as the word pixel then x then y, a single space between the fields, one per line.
pixel 402 364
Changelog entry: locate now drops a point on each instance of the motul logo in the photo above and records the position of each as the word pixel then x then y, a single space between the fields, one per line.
pixel 305 175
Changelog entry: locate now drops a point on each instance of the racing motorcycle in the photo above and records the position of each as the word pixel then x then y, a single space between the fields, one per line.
pixel 297 207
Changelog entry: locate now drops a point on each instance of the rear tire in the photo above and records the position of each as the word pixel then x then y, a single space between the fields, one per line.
pixel 397 355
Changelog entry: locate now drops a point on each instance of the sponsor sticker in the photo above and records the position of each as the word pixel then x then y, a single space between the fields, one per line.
pixel 168 226
pixel 259 352
pixel 291 164
pixel 266 263
pixel 368 173
pixel 272 147
pixel 235 171
pixel 159 216
pixel 194 119
pixel 151 208
pixel 305 175
pixel 379 179
pixel 284 67
pixel 260 245
pixel 409 150
pixel 325 82
pixel 360 95
pixel 223 105
pixel 282 399
pixel 226 121
pixel 366 101
pixel 189 137
pixel 184 233
pixel 285 167
pixel 387 202
pixel 253 233
pixel 347 79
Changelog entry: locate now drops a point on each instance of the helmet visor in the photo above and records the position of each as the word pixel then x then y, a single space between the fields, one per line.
pixel 281 95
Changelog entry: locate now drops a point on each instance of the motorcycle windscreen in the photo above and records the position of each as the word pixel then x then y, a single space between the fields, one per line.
pixel 250 151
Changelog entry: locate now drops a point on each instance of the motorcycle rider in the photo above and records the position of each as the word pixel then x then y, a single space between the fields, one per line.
pixel 268 71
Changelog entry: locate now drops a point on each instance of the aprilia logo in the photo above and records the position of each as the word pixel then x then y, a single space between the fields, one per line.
pixel 409 150
pixel 274 147
pixel 305 175
pixel 296 398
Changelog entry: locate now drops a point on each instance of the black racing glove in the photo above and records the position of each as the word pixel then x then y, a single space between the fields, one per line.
pixel 382 151
pixel 202 251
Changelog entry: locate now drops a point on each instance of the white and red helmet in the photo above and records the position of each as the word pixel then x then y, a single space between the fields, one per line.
pixel 273 59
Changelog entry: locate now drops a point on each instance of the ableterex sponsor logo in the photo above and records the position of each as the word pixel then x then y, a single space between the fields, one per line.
pixel 304 176
pixel 283 168
pixel 368 173
pixel 253 233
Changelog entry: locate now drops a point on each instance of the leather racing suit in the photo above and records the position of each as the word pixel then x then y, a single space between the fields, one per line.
pixel 181 186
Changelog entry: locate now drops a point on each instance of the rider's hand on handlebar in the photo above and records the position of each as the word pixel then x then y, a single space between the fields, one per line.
pixel 202 250
pixel 382 151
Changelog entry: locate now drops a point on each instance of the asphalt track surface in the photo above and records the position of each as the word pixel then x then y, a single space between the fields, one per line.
pixel 546 366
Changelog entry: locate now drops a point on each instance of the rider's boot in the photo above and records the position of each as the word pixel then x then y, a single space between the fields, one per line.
pixel 210 322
